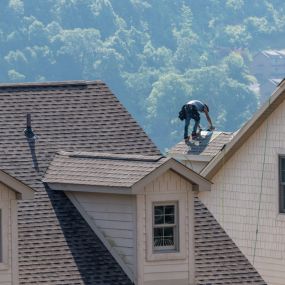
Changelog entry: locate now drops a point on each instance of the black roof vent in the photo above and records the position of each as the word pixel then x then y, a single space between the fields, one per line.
pixel 29 131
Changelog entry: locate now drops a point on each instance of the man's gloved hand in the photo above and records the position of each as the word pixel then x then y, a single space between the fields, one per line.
pixel 210 128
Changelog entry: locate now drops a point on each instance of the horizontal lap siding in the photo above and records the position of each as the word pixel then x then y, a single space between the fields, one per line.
pixel 114 216
pixel 234 199
pixel 9 275
pixel 172 271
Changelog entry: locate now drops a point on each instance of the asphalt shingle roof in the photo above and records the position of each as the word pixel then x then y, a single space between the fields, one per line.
pixel 56 245
pixel 218 260
pixel 211 145
pixel 101 169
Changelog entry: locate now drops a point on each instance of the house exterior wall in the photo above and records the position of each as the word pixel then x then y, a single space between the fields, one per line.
pixel 173 267
pixel 244 198
pixel 114 216
pixel 9 237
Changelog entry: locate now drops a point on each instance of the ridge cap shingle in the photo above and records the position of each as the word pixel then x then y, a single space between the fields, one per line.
pixel 51 84
pixel 111 156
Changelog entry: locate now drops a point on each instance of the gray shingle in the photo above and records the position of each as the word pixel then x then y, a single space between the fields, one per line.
pixel 218 259
pixel 209 146
pixel 100 169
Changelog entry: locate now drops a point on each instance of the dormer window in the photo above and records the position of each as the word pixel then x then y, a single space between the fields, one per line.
pixel 165 227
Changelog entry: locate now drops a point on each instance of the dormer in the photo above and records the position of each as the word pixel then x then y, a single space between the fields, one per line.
pixel 11 190
pixel 141 207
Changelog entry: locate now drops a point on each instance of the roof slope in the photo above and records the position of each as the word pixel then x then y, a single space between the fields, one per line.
pixel 101 169
pixel 55 248
pixel 209 146
pixel 218 259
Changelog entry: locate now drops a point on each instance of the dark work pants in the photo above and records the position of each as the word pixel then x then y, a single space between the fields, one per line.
pixel 191 113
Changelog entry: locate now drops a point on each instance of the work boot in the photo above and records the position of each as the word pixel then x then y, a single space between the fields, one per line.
pixel 194 136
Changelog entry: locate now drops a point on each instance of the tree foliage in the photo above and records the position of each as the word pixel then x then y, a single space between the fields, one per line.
pixel 155 55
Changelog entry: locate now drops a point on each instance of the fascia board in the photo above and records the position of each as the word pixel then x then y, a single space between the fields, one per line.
pixel 192 157
pixel 23 191
pixel 88 188
pixel 198 182
pixel 245 132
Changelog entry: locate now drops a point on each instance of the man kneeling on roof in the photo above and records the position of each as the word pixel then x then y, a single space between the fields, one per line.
pixel 191 111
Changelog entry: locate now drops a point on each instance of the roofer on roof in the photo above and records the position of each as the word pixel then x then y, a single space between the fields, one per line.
pixel 191 111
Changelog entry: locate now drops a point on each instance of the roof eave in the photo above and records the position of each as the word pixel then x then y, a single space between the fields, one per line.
pixel 69 187
pixel 245 132
pixel 199 182
pixel 23 191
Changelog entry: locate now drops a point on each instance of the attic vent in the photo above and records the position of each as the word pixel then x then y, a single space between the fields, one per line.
pixel 29 131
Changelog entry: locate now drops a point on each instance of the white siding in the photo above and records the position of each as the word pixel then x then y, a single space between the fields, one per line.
pixel 114 215
pixel 234 199
pixel 178 271
pixel 9 266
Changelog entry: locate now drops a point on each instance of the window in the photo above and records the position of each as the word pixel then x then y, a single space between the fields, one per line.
pixel 165 227
pixel 282 184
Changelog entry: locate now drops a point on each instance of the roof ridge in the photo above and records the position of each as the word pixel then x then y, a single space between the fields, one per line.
pixel 112 156
pixel 51 83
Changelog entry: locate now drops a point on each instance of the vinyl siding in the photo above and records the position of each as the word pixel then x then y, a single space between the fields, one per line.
pixel 234 199
pixel 170 186
pixel 9 266
pixel 114 215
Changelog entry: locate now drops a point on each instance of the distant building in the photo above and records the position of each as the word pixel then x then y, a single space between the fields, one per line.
pixel 268 64
pixel 268 67
pixel 267 87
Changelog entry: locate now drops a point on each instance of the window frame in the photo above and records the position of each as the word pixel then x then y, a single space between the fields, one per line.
pixel 166 255
pixel 175 226
pixel 281 185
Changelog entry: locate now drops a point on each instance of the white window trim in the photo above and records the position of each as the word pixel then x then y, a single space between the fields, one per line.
pixel 5 230
pixel 180 199
pixel 164 249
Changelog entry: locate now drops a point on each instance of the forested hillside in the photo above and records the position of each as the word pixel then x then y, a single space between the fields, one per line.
pixel 154 54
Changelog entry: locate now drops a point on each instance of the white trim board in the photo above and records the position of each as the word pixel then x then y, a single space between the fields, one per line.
pixel 23 191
